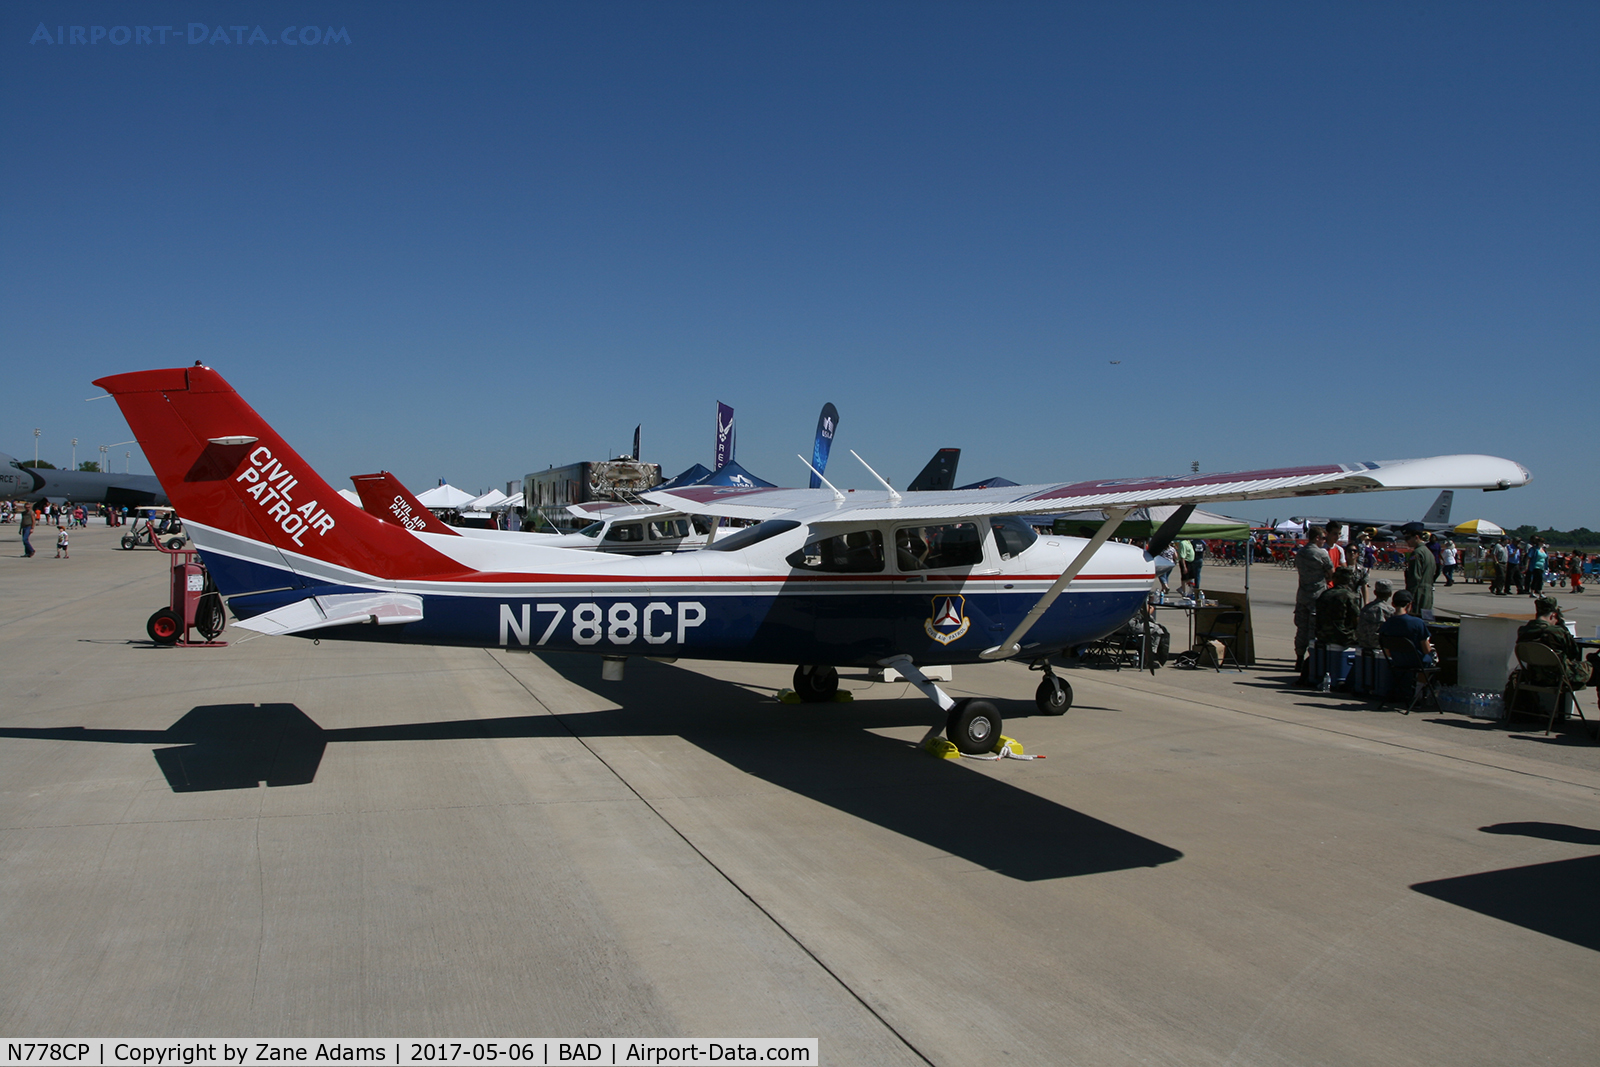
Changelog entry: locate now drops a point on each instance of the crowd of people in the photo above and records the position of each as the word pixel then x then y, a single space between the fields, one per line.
pixel 63 518
pixel 1329 596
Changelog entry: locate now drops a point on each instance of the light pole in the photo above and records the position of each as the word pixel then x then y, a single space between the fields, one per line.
pixel 126 455
pixel 36 448
pixel 104 459
pixel 74 453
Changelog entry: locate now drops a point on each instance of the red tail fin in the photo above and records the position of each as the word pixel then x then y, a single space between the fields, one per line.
pixel 225 468
pixel 383 495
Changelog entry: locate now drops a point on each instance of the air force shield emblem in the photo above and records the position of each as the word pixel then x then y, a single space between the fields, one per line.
pixel 948 620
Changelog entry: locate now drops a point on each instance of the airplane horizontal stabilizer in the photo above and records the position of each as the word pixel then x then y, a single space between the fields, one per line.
pixel 339 609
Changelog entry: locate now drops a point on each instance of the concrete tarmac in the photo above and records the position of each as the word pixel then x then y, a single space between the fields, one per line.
pixel 282 839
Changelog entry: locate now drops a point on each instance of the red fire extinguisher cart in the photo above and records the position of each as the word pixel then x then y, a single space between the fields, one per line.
pixel 194 604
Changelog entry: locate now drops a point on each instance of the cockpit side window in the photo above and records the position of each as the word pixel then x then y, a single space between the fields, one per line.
pixel 631 531
pixel 1012 536
pixel 860 552
pixel 925 548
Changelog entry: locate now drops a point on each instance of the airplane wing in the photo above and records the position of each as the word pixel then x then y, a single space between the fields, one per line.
pixel 822 505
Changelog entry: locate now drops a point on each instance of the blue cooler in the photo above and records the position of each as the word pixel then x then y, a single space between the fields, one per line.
pixel 1339 664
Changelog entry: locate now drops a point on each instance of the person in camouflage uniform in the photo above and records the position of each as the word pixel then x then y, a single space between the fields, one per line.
pixel 1421 570
pixel 1339 610
pixel 1547 629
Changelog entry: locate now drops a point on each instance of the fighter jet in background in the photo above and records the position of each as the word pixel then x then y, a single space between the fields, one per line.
pixel 1437 520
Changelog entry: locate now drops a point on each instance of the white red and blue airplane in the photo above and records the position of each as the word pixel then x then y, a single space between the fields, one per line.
pixel 826 579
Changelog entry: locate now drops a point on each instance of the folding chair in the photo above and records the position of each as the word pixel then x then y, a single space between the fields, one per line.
pixel 1533 656
pixel 1225 631
pixel 1425 679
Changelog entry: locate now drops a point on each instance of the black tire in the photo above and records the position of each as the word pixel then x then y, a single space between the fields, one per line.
pixel 973 727
pixel 174 544
pixel 164 627
pixel 1054 695
pixel 129 541
pixel 816 685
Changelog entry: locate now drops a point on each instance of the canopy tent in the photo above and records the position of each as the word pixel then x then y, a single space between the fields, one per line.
pixel 1142 522
pixel 513 501
pixel 444 497
pixel 730 473
pixel 1479 528
pixel 688 477
pixel 350 496
pixel 494 498
pixel 1290 527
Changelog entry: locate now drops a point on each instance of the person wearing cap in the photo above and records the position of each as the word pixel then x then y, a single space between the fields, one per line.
pixel 1374 615
pixel 1404 623
pixel 1421 570
pixel 1548 629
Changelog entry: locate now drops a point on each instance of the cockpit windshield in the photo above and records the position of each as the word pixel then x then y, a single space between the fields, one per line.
pixel 752 535
pixel 1012 536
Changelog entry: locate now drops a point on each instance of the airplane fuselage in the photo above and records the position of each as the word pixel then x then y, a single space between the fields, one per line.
pixel 80 487
pixel 746 604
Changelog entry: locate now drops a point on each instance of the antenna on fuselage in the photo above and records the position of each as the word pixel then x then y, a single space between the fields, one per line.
pixel 836 494
pixel 894 497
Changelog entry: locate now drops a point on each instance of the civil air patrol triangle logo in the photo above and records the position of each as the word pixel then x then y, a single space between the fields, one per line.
pixel 948 620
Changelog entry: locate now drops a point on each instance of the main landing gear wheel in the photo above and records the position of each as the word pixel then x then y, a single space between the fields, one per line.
pixel 973 726
pixel 816 685
pixel 1054 695
pixel 164 627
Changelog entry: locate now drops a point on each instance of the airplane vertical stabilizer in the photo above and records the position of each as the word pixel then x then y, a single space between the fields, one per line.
pixel 1440 512
pixel 227 470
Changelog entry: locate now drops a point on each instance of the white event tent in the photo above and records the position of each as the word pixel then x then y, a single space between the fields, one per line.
pixel 444 497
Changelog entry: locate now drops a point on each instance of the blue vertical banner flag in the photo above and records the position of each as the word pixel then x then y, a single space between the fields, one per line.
pixel 724 435
pixel 636 431
pixel 827 423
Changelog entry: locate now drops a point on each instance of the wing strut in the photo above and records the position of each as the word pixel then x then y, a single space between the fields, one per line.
pixel 1013 642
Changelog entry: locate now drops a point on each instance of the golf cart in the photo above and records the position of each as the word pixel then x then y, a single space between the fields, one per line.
pixel 153 527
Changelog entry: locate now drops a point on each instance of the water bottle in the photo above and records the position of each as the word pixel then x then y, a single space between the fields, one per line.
pixel 1327 683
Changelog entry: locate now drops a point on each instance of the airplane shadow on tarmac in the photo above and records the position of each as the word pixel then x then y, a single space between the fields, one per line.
pixel 826 752
pixel 1552 898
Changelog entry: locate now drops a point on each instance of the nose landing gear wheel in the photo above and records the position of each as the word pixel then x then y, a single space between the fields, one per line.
pixel 164 626
pixel 973 726
pixel 1054 695
pixel 816 685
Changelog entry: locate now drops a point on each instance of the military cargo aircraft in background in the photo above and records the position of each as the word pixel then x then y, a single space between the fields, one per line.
pixel 824 579
pixel 81 487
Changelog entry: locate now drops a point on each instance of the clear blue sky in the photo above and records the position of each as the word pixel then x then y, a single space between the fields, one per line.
pixel 481 239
